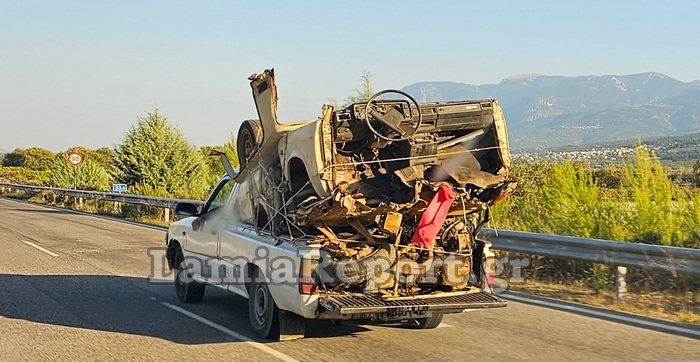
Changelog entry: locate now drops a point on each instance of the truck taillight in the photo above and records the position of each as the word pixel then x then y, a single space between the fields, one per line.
pixel 307 284
pixel 489 267
pixel 490 274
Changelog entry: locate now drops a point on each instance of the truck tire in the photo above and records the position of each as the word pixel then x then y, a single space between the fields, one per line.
pixel 187 290
pixel 250 136
pixel 429 322
pixel 262 310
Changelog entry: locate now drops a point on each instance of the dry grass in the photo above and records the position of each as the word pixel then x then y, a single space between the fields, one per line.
pixel 677 307
pixel 89 206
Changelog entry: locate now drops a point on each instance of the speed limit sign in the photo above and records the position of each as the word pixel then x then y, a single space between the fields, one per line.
pixel 75 158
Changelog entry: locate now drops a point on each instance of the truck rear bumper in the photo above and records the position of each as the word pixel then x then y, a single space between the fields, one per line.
pixel 360 306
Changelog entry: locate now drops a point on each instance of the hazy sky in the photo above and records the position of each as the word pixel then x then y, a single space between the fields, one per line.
pixel 81 72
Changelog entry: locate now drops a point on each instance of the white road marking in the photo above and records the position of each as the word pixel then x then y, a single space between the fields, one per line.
pixel 231 333
pixel 444 325
pixel 604 314
pixel 39 248
pixel 153 298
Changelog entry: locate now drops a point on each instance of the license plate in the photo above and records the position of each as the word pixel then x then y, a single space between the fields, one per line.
pixel 405 312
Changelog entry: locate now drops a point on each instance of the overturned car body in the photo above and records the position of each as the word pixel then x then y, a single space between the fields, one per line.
pixel 375 183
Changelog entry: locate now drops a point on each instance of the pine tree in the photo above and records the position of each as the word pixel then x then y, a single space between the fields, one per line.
pixel 362 95
pixel 571 200
pixel 649 189
pixel 231 151
pixel 155 155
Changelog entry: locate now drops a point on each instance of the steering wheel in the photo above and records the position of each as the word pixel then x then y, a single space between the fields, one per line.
pixel 380 117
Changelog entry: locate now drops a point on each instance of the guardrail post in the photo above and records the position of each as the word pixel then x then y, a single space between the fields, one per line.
pixel 621 284
pixel 167 214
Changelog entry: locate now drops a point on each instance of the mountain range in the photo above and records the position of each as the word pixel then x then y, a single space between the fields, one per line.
pixel 553 111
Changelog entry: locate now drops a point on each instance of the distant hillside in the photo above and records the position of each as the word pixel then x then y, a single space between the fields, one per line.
pixel 673 151
pixel 552 111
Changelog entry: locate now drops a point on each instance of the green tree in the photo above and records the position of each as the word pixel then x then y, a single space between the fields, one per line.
pixel 89 175
pixel 14 158
pixel 231 151
pixel 23 176
pixel 103 156
pixel 649 189
pixel 524 210
pixel 365 92
pixel 35 158
pixel 216 169
pixel 155 155
pixel 571 199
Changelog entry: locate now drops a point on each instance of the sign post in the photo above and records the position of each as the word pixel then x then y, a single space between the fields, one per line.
pixel 119 188
pixel 75 159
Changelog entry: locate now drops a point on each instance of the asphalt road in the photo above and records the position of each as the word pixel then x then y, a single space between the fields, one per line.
pixel 75 287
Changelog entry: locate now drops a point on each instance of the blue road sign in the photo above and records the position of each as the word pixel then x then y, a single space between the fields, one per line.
pixel 119 187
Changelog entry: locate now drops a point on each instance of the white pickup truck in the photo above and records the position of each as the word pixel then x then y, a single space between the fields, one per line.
pixel 369 212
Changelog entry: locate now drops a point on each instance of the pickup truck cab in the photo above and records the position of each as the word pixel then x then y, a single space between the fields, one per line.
pixel 368 212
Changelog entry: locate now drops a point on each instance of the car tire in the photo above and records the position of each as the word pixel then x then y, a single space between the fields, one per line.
pixel 250 136
pixel 187 290
pixel 430 322
pixel 262 310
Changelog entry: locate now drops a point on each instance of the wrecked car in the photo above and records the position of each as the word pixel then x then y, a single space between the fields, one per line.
pixel 370 211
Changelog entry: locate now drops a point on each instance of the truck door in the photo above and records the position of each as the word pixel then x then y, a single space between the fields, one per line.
pixel 203 241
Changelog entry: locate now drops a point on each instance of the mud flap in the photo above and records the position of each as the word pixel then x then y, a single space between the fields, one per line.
pixel 292 326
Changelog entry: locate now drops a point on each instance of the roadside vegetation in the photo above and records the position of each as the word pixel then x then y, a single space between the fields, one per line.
pixel 635 201
pixel 154 159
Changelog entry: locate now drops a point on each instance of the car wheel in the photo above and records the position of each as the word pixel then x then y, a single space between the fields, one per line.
pixel 430 322
pixel 187 290
pixel 262 310
pixel 250 136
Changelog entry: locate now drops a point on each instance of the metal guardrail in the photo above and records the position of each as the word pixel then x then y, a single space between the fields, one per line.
pixel 627 254
pixel 681 260
pixel 109 196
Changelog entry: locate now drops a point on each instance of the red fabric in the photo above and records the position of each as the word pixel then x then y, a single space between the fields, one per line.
pixel 433 217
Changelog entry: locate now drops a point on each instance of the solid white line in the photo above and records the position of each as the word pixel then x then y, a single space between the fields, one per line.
pixel 39 247
pixel 231 333
pixel 444 325
pixel 604 314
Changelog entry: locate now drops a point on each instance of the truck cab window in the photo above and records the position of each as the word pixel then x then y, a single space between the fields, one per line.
pixel 219 196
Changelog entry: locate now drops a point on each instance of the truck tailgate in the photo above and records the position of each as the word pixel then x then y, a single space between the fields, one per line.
pixel 355 303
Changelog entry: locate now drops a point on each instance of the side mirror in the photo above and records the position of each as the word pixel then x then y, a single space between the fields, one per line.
pixel 186 209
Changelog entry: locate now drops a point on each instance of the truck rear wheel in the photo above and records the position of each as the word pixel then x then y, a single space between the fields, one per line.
pixel 262 310
pixel 250 136
pixel 187 290
pixel 430 322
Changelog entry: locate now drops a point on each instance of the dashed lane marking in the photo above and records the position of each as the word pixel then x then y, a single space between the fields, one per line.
pixel 39 248
pixel 231 333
